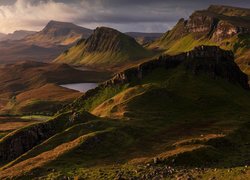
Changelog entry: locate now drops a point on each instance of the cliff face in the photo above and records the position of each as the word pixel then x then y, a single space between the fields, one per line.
pixel 203 60
pixel 21 141
pixel 213 23
pixel 210 60
pixel 221 26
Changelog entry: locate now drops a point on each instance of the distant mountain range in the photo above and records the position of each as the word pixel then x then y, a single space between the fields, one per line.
pixel 55 38
pixel 58 33
pixel 144 38
pixel 41 46
pixel 17 35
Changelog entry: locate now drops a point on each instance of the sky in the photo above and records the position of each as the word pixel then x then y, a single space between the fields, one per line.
pixel 124 15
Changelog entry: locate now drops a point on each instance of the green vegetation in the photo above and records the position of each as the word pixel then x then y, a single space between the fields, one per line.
pixel 114 50
pixel 37 117
pixel 218 29
pixel 100 97
pixel 173 123
pixel 239 44
pixel 172 115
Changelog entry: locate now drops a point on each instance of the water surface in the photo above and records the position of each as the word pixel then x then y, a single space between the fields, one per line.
pixel 82 87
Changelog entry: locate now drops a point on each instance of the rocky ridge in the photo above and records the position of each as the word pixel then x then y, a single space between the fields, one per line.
pixel 211 23
pixel 210 60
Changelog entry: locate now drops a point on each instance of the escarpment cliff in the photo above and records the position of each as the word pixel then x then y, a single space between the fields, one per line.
pixel 21 141
pixel 210 60
pixel 223 26
pixel 202 60
pixel 211 24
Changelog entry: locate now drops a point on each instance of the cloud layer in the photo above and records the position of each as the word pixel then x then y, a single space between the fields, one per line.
pixel 125 15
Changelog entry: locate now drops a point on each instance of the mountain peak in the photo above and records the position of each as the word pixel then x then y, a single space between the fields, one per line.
pixel 59 24
pixel 107 47
pixel 57 28
pixel 104 29
pixel 59 33
pixel 107 39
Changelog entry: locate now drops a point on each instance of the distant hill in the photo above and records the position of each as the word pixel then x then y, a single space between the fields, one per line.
pixel 23 80
pixel 58 33
pixel 2 35
pixel 106 47
pixel 144 38
pixel 42 46
pixel 227 27
pixel 17 35
pixel 18 50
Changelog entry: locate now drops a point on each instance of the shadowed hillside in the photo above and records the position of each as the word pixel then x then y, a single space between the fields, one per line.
pixel 183 116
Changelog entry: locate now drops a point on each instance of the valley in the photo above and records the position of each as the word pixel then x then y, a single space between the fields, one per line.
pixel 34 87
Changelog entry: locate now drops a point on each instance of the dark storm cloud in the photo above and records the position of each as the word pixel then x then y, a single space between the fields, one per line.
pixel 132 11
pixel 126 15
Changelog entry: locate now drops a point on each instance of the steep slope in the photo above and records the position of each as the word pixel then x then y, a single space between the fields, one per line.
pixel 106 47
pixel 58 33
pixel 227 27
pixel 182 116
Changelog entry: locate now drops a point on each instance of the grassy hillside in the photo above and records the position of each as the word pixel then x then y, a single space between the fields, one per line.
pixel 173 123
pixel 105 48
pixel 224 26
pixel 47 99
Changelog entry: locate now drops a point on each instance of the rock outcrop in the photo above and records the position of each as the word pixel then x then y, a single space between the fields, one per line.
pixel 210 60
pixel 213 23
pixel 21 141
pixel 223 26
